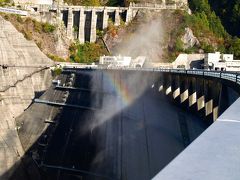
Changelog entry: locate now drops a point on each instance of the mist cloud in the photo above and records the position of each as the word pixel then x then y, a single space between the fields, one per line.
pixel 147 39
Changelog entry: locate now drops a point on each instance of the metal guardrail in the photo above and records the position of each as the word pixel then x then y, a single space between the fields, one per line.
pixel 231 76
pixel 226 75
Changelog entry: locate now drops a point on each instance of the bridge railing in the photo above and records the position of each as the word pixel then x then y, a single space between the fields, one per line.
pixel 231 76
pixel 228 75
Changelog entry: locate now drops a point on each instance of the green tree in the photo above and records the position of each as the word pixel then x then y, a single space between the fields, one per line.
pixel 229 13
pixel 179 45
pixel 235 47
pixel 86 53
pixel 90 3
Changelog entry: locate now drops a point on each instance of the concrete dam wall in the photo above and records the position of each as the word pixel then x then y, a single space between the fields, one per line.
pixel 20 82
pixel 117 124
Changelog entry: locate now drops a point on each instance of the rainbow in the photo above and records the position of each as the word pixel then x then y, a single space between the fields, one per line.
pixel 119 87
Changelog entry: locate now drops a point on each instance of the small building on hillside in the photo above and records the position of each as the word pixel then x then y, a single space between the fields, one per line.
pixel 210 61
pixel 122 61
pixel 221 62
pixel 138 62
pixel 189 61
pixel 115 61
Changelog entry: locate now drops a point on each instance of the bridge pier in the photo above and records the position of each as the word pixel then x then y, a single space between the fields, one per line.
pixel 192 90
pixel 176 87
pixel 81 29
pixel 208 98
pixel 158 82
pixel 105 19
pixel 184 92
pixel 200 93
pixel 70 24
pixel 129 15
pixel 117 18
pixel 160 87
pixel 216 100
pixel 93 35
pixel 91 20
pixel 167 88
pixel 164 3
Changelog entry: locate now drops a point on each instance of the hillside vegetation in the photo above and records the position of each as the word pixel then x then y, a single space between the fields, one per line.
pixel 229 13
pixel 100 2
pixel 207 19
pixel 86 53
pixel 43 34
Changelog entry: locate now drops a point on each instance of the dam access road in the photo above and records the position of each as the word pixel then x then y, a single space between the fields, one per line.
pixel 122 127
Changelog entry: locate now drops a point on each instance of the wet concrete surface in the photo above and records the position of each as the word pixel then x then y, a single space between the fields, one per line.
pixel 134 132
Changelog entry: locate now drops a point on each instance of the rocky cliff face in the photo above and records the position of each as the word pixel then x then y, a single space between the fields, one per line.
pixel 189 40
pixel 18 86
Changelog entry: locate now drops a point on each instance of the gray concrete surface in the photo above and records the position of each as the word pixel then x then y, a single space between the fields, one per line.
pixel 18 87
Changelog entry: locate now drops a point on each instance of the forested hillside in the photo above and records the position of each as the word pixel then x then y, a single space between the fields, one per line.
pixel 229 12
pixel 97 2
pixel 206 16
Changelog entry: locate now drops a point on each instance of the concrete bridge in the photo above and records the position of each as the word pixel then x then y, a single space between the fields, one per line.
pixel 82 22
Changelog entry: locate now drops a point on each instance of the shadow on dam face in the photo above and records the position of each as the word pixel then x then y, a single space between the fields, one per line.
pixel 131 131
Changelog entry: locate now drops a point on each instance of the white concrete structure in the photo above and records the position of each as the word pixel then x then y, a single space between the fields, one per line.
pixel 138 62
pixel 188 61
pixel 115 61
pixel 221 62
pixel 122 61
pixel 210 61
pixel 75 65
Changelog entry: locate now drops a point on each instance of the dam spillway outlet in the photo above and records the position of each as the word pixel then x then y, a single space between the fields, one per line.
pixel 106 124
